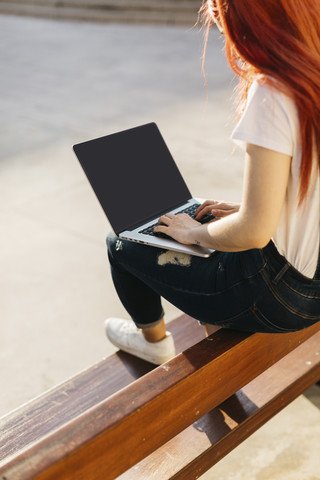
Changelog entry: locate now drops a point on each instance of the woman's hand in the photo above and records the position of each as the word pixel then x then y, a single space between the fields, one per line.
pixel 177 226
pixel 217 208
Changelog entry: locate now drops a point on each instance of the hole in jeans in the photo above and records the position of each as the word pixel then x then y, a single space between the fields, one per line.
pixel 174 258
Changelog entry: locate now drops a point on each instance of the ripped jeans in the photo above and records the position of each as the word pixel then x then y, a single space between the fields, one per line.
pixel 254 290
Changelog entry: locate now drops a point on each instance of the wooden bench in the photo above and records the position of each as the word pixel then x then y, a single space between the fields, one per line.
pixel 124 418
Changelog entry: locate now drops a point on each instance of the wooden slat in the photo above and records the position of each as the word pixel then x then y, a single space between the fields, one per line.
pixel 191 453
pixel 77 395
pixel 118 432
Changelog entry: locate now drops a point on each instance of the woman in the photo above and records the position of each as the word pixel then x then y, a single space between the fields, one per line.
pixel 265 273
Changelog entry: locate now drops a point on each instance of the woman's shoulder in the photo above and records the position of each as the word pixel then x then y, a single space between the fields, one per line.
pixel 268 94
pixel 269 119
pixel 268 88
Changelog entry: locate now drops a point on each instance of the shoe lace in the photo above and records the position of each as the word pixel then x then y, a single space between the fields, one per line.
pixel 129 327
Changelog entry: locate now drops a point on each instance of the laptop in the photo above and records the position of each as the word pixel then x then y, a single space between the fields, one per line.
pixel 136 180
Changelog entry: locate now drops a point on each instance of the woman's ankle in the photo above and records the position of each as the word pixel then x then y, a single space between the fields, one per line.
pixel 155 334
pixel 210 328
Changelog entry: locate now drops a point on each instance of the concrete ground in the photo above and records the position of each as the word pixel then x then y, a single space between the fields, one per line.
pixel 65 82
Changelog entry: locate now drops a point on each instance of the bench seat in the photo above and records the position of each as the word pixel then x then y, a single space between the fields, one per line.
pixel 124 418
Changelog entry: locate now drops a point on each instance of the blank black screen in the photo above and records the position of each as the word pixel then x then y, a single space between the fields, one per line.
pixel 133 175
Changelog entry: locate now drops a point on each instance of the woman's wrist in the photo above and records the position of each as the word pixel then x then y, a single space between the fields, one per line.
pixel 197 235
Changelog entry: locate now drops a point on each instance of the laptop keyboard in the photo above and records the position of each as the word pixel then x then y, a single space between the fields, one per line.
pixel 189 210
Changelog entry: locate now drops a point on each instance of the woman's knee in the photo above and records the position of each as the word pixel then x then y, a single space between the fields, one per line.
pixel 123 251
pixel 114 245
pixel 111 240
pixel 131 254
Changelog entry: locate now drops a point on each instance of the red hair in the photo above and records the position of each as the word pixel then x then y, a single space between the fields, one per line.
pixel 279 41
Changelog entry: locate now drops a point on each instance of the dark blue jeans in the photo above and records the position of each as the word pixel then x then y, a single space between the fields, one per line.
pixel 254 291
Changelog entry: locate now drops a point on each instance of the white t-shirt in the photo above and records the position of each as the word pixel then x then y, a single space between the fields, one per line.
pixel 270 120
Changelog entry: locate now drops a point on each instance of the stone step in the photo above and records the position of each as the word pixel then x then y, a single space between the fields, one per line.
pixel 117 4
pixel 134 11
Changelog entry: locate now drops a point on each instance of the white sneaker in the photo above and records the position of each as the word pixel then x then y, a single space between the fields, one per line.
pixel 126 336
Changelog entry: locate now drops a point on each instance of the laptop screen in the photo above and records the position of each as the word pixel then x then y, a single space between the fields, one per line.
pixel 133 175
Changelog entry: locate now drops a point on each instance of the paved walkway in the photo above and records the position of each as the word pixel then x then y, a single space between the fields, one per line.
pixel 65 82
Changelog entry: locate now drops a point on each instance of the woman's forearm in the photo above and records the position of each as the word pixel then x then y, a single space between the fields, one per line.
pixel 229 234
pixel 265 184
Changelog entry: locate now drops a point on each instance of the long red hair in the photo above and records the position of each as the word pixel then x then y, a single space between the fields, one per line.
pixel 278 40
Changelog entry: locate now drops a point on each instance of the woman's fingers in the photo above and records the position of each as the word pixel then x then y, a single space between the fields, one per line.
pixel 205 208
pixel 164 219
pixel 221 212
pixel 206 204
pixel 177 226
pixel 217 208
pixel 163 223
pixel 224 209
pixel 203 212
